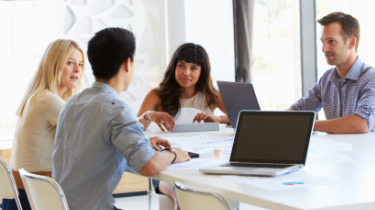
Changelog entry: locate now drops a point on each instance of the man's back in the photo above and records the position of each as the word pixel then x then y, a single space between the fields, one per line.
pixel 95 131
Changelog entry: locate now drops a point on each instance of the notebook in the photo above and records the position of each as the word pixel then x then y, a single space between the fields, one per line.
pixel 268 143
pixel 243 99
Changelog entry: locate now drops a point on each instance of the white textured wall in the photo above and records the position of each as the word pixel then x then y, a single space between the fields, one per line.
pixel 80 19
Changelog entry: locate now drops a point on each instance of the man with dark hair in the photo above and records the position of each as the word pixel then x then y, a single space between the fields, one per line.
pixel 347 91
pixel 98 135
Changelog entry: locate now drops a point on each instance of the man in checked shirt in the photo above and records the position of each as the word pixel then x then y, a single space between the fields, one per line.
pixel 347 91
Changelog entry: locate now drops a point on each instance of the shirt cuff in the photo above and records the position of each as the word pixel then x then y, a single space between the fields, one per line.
pixel 366 115
pixel 140 158
pixel 296 106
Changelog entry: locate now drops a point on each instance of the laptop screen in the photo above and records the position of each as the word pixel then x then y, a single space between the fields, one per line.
pixel 272 137
pixel 244 98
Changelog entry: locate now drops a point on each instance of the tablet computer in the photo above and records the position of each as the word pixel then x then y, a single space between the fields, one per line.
pixel 196 127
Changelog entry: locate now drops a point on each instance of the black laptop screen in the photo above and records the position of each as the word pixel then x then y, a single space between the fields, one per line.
pixel 276 137
pixel 244 98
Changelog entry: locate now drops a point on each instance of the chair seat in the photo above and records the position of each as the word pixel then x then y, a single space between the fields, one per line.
pixel 44 193
pixel 8 187
pixel 165 202
pixel 189 197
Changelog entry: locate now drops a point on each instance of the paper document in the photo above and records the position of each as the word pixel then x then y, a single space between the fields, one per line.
pixel 224 150
pixel 298 179
pixel 201 141
pixel 196 163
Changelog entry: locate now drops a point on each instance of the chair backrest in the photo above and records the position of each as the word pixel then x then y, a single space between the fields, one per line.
pixel 8 187
pixel 194 198
pixel 43 192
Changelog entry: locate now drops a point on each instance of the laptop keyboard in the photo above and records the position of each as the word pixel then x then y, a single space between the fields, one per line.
pixel 257 165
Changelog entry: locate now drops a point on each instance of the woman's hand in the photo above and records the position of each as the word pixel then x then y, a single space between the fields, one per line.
pixel 161 119
pixel 206 118
pixel 156 142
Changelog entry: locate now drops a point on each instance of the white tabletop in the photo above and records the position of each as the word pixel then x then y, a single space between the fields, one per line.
pixel 353 187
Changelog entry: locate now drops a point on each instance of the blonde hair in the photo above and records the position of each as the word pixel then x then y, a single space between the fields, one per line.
pixel 49 72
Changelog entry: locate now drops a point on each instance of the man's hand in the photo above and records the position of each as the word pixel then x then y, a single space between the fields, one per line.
pixel 156 142
pixel 182 155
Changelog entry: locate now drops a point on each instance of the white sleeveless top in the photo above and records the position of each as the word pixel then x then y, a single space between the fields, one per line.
pixel 191 107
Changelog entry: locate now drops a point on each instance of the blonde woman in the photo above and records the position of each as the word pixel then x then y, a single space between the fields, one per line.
pixel 57 79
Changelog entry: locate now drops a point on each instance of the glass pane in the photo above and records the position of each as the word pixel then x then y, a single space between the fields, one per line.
pixel 276 72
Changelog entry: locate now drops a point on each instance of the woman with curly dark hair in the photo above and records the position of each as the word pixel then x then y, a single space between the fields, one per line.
pixel 187 84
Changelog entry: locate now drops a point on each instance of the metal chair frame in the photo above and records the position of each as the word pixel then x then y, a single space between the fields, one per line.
pixel 12 182
pixel 150 192
pixel 218 197
pixel 52 182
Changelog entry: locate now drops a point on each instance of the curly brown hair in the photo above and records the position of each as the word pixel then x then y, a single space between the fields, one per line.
pixel 170 91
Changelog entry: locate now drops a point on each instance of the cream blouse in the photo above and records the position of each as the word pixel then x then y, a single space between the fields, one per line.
pixel 35 133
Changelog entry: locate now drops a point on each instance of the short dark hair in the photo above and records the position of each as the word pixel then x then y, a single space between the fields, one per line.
pixel 349 24
pixel 108 49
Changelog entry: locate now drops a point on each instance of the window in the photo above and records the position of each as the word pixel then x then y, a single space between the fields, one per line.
pixel 276 69
pixel 26 31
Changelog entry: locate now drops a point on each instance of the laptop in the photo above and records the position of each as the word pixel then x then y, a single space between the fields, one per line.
pixel 268 143
pixel 237 96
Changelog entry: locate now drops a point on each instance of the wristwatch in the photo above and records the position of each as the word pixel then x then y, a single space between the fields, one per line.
pixel 171 150
pixel 144 117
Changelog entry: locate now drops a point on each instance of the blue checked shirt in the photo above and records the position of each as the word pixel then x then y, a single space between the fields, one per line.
pixel 98 136
pixel 354 94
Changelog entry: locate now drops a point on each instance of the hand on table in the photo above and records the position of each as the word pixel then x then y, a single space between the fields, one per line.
pixel 156 142
pixel 182 155
pixel 206 118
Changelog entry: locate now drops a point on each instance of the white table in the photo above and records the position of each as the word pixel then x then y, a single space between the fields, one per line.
pixel 355 190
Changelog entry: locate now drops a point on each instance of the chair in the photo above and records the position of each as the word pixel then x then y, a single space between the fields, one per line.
pixel 43 192
pixel 193 198
pixel 8 188
pixel 165 202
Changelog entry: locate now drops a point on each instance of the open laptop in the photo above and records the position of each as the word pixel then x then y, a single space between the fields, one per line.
pixel 268 143
pixel 237 96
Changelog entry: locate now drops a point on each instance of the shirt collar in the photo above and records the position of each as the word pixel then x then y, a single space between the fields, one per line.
pixel 353 74
pixel 355 71
pixel 105 87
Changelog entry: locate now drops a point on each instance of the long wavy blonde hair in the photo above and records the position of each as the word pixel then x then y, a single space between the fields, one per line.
pixel 49 72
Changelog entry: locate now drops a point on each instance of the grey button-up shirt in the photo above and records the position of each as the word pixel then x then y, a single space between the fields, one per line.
pixel 354 94
pixel 97 137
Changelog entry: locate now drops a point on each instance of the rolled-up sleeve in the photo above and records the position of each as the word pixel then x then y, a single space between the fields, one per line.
pixel 312 100
pixel 128 138
pixel 366 104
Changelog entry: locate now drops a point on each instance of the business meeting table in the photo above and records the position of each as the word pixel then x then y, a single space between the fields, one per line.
pixel 339 174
